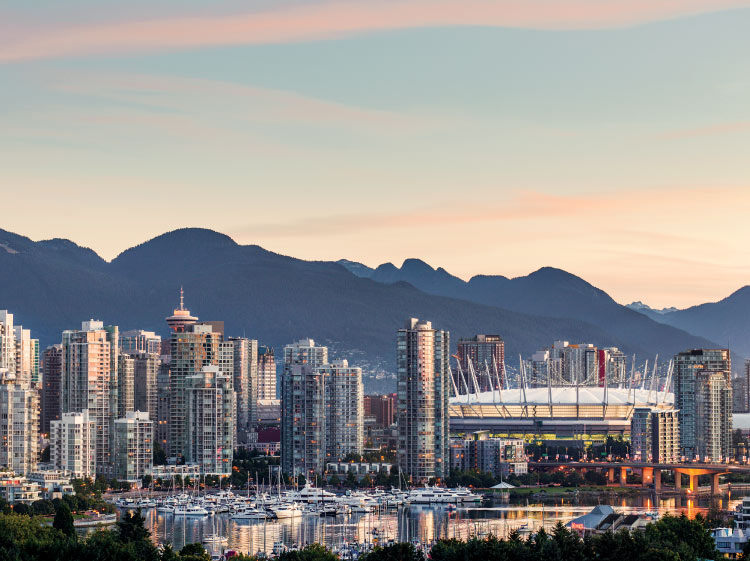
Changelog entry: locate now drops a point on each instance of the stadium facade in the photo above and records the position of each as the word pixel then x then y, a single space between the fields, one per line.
pixel 554 415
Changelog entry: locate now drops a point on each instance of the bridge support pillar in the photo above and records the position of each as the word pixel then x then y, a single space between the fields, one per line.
pixel 611 475
pixel 657 480
pixel 623 476
pixel 677 479
pixel 648 476
pixel 715 489
pixel 693 483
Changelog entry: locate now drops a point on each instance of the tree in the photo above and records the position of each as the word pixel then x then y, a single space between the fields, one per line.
pixel 395 552
pixel 147 480
pixel 64 521
pixel 160 456
pixel 21 508
pixel 314 552
pixel 194 552
pixel 131 527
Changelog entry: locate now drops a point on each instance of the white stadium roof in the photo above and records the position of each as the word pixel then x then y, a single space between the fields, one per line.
pixel 566 395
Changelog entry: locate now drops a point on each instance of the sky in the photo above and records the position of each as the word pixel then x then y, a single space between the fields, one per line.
pixel 610 138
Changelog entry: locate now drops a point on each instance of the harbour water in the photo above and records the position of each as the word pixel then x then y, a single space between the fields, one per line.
pixel 417 524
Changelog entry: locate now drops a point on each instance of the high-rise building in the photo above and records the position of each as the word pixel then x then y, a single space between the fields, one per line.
pixel 582 364
pixel 24 355
pixel 72 444
pixel 7 342
pixel 423 390
pixel 193 346
pixel 19 424
pixel 502 457
pixel 146 377
pixel 125 385
pixel 303 411
pixel 138 341
pixel 655 435
pixel 245 374
pixel 211 413
pixel 344 410
pixel 302 420
pixel 162 405
pixel 51 386
pixel 266 373
pixel 133 447
pixel 36 378
pixel 305 352
pixel 89 381
pixel 703 396
pixel 485 356
pixel 382 408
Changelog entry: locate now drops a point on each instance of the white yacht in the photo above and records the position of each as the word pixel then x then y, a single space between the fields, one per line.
pixel 250 513
pixel 283 510
pixel 190 510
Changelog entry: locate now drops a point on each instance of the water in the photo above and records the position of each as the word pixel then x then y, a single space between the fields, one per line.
pixel 424 524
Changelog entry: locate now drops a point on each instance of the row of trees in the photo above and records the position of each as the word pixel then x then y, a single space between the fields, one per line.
pixel 670 539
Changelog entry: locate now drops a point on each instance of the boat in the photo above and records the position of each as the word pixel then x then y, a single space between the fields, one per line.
pixel 190 510
pixel 95 519
pixel 282 510
pixel 215 539
pixel 250 513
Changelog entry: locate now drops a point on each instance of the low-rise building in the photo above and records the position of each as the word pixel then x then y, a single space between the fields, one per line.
pixel 730 541
pixel 168 472
pixel 502 457
pixel 18 489
pixel 53 483
pixel 360 469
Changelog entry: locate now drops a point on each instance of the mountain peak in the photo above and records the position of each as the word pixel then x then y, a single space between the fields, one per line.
pixel 416 266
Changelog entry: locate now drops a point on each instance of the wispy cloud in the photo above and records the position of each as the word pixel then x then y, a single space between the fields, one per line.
pixel 521 206
pixel 326 20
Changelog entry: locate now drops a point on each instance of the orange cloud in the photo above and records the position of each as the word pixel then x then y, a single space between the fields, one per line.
pixel 340 19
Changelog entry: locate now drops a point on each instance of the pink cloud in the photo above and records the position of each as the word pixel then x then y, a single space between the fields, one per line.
pixel 338 19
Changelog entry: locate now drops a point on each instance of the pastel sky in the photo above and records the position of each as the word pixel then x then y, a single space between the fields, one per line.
pixel 610 138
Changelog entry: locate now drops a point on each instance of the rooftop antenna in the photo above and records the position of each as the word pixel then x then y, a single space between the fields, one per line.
pixel 182 299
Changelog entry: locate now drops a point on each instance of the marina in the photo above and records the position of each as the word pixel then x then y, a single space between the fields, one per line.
pixel 357 521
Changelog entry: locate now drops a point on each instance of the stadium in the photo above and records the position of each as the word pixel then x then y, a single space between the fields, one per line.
pixel 561 415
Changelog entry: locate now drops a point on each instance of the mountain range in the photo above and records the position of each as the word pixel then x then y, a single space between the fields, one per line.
pixel 52 285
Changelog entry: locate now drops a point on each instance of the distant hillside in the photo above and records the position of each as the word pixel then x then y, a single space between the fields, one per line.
pixel 549 292
pixel 726 322
pixel 54 285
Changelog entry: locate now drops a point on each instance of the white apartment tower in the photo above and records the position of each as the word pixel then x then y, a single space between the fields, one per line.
pixel 19 424
pixel 72 444
pixel 266 373
pixel 133 447
pixel 245 381
pixel 344 410
pixel 303 411
pixel 7 342
pixel 90 382
pixel 211 413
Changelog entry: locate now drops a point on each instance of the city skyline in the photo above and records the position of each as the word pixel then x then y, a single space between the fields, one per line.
pixel 571 135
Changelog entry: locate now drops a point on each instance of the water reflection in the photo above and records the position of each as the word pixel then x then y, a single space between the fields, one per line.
pixel 416 523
